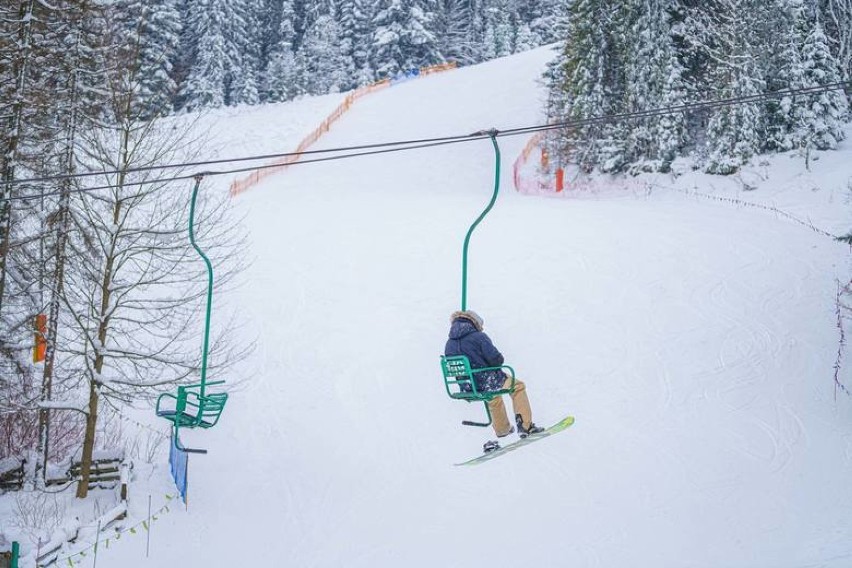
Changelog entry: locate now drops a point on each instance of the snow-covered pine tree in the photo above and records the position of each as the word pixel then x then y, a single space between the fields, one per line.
pixel 525 39
pixel 836 16
pixel 403 39
pixel 153 29
pixel 221 65
pixel 185 55
pixel 654 78
pixel 301 19
pixel 545 19
pixel 511 26
pixel 475 40
pixel 355 32
pixel 211 56
pixel 269 22
pixel 281 74
pixel 662 53
pixel 316 9
pixel 236 42
pixel 785 71
pixel 735 132
pixel 320 60
pixel 501 28
pixel 593 85
pixel 247 34
pixel 453 28
pixel 557 83
pixel 554 108
pixel 822 115
pixel 612 152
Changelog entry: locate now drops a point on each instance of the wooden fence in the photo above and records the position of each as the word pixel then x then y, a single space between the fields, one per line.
pixel 11 474
pixel 104 474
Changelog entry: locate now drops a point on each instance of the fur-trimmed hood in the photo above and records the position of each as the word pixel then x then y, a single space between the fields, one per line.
pixel 470 316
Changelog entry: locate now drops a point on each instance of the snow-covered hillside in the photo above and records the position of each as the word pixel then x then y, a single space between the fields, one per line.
pixel 692 338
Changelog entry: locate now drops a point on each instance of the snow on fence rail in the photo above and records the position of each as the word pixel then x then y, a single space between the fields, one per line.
pixel 73 532
pixel 281 164
pixel 92 535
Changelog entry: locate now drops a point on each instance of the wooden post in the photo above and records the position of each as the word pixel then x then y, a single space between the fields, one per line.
pixel 148 532
pixel 125 478
pixel 97 540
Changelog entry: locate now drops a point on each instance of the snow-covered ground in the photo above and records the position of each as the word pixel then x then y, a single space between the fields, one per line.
pixel 693 339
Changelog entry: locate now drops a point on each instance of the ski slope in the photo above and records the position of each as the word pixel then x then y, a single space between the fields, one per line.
pixel 693 340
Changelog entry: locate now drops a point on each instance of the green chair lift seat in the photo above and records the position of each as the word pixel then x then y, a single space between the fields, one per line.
pixel 460 384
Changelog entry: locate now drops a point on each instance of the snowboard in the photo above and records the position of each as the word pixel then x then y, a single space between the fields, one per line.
pixel 558 427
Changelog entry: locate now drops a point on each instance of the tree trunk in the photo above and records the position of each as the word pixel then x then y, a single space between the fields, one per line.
pixel 10 151
pixel 103 327
pixel 88 442
pixel 63 219
pixel 62 227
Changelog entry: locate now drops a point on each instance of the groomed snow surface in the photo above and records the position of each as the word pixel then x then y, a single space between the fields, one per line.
pixel 693 339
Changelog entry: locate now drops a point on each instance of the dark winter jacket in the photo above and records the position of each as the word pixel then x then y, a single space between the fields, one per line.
pixel 465 339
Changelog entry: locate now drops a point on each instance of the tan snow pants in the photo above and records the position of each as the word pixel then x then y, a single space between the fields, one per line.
pixel 520 405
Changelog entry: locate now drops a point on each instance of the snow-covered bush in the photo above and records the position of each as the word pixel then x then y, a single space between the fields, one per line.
pixel 36 514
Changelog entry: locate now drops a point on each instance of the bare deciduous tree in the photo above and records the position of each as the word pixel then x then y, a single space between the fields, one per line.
pixel 136 297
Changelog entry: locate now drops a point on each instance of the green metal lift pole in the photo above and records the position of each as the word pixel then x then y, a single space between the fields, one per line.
pixel 493 134
pixel 198 179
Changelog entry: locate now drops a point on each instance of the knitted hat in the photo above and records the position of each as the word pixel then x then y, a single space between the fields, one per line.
pixel 470 316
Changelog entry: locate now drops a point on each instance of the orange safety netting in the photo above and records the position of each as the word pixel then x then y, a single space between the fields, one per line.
pixel 437 68
pixel 279 165
pixel 534 183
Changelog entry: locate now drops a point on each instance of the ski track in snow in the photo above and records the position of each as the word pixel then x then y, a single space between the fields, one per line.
pixel 692 341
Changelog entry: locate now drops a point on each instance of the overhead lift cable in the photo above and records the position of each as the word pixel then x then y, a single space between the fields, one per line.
pixel 184 165
pixel 230 171
pixel 404 145
pixel 679 109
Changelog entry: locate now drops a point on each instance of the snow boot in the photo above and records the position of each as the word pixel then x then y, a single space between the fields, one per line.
pixel 490 446
pixel 524 432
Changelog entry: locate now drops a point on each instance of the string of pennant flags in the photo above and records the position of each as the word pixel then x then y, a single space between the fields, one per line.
pixel 136 423
pixel 124 418
pixel 141 527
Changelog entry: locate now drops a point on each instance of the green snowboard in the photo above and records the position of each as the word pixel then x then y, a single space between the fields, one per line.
pixel 558 427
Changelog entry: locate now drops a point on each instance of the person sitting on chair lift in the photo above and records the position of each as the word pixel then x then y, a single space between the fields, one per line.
pixel 467 338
